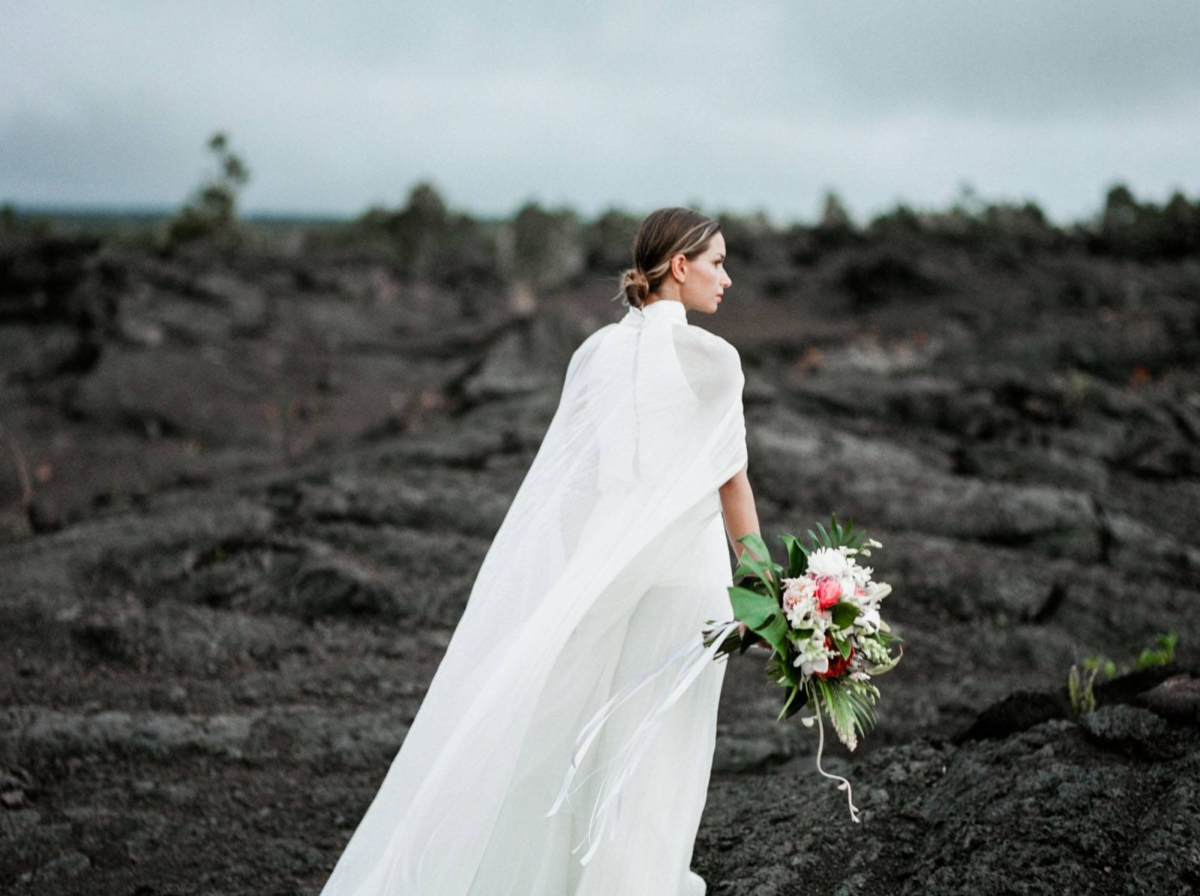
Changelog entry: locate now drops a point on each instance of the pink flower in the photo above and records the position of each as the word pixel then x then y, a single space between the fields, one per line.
pixel 796 591
pixel 829 591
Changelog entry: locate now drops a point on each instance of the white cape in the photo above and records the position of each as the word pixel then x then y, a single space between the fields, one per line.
pixel 648 427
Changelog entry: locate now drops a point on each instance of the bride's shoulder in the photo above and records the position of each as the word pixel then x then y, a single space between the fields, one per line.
pixel 699 344
pixel 592 342
pixel 587 349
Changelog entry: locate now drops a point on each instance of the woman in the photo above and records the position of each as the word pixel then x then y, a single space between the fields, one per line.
pixel 610 556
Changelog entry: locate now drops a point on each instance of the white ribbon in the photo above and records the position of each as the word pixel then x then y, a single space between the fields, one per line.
pixel 845 785
pixel 692 659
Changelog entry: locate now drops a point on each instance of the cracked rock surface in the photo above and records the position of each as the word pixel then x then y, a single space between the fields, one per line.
pixel 243 500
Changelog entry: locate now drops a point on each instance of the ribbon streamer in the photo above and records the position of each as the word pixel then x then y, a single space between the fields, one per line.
pixel 845 785
pixel 692 659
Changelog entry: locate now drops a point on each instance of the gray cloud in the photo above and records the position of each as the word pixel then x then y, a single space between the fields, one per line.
pixel 339 105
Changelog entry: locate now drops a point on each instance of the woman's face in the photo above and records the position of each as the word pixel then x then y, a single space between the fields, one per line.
pixel 704 277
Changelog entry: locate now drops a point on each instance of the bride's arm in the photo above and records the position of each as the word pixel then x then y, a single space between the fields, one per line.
pixel 737 504
pixel 741 517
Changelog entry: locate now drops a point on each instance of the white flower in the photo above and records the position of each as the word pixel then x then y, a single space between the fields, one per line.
pixel 812 655
pixel 877 591
pixel 868 620
pixel 848 586
pixel 874 651
pixel 828 562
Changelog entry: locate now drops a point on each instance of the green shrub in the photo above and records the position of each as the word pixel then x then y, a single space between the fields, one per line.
pixel 213 207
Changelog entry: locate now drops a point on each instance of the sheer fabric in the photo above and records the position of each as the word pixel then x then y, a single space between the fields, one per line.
pixel 610 555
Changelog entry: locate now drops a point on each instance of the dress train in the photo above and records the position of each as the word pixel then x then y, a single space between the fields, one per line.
pixel 661 805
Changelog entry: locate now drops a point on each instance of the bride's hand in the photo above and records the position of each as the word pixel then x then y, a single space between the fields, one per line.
pixel 759 643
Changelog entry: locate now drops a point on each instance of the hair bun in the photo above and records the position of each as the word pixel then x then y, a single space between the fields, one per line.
pixel 636 287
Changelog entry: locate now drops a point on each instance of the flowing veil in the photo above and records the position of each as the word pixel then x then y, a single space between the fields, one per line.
pixel 648 427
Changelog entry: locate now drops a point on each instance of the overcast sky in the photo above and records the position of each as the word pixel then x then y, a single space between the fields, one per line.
pixel 336 106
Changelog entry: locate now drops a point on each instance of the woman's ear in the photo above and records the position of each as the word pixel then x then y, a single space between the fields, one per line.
pixel 679 267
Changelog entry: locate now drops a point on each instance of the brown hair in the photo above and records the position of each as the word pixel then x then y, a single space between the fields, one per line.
pixel 663 235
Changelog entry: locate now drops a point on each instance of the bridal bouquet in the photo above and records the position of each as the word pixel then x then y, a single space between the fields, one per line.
pixel 819 614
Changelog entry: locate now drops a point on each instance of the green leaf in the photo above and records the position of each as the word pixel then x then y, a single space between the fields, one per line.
pixel 886 666
pixel 848 704
pixel 792 706
pixel 762 566
pixel 797 556
pixel 844 613
pixel 762 615
pixel 754 541
pixel 775 634
pixel 754 609
pixel 786 703
pixel 843 646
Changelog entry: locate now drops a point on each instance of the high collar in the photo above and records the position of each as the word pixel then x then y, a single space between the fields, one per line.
pixel 662 309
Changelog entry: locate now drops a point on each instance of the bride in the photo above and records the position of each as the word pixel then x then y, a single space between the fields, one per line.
pixel 612 554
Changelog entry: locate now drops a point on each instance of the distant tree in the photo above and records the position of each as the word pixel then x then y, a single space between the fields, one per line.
pixel 900 220
pixel 431 243
pixel 608 241
pixel 833 230
pixel 1121 211
pixel 833 214
pixel 419 229
pixel 1144 230
pixel 968 201
pixel 1025 226
pixel 1179 227
pixel 426 208
pixel 213 206
pixel 547 248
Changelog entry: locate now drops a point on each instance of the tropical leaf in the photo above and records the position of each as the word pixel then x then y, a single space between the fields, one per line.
pixel 797 556
pixel 762 614
pixel 761 566
pixel 754 541
pixel 849 707
pixel 754 609
pixel 792 705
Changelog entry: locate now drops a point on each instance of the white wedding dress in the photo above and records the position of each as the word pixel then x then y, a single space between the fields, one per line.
pixel 612 556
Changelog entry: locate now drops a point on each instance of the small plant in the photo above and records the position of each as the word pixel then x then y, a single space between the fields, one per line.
pixel 213 207
pixel 1081 683
pixel 1160 656
pixel 1081 688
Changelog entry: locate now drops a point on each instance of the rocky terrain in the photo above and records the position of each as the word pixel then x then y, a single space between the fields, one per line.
pixel 245 487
